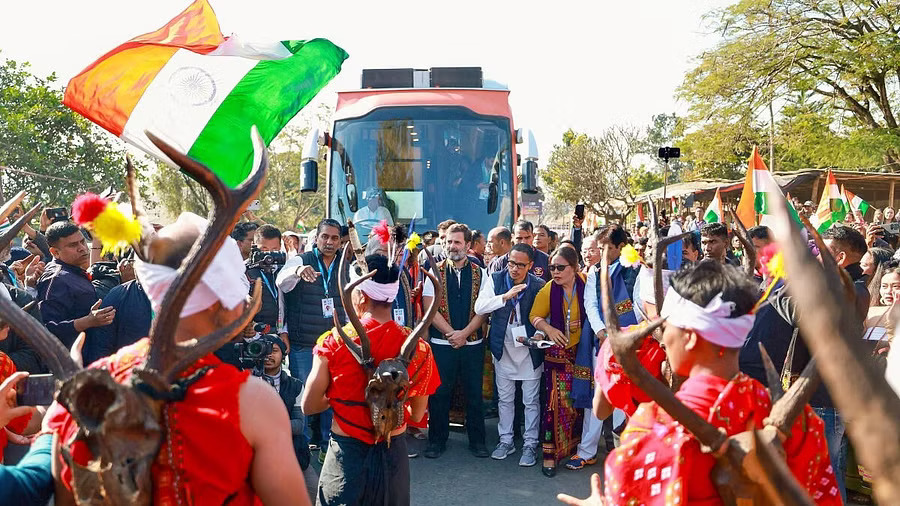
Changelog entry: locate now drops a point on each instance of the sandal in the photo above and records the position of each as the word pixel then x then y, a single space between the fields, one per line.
pixel 576 462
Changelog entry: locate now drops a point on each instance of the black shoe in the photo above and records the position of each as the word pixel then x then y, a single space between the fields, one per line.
pixel 549 472
pixel 479 451
pixel 434 450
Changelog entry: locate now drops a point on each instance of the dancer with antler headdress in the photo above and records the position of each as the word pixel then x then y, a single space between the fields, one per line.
pixel 715 440
pixel 375 374
pixel 155 422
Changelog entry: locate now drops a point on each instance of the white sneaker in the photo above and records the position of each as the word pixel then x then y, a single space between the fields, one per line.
pixel 503 450
pixel 529 456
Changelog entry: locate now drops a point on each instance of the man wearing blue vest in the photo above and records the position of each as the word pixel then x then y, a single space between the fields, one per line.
pixel 508 298
pixel 311 296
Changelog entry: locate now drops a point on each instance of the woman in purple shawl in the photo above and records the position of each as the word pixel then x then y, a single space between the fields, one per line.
pixel 558 312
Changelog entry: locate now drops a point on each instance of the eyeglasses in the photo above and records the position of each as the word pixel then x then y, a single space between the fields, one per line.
pixel 557 267
pixel 517 265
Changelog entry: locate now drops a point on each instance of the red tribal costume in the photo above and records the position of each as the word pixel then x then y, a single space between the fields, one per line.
pixel 346 392
pixel 17 425
pixel 616 385
pixel 205 458
pixel 660 462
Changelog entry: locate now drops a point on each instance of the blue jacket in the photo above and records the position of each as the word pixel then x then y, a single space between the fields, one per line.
pixel 500 317
pixel 30 482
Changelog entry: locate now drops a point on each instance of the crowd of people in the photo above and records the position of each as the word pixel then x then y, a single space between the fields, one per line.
pixel 518 332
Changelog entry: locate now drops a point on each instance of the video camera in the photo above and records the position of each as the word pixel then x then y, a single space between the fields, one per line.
pixel 266 261
pixel 252 353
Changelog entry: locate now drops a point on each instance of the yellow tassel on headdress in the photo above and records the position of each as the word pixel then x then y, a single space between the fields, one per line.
pixel 629 256
pixel 775 267
pixel 413 242
pixel 115 229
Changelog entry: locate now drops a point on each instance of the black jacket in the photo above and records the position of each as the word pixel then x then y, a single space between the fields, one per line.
pixel 18 349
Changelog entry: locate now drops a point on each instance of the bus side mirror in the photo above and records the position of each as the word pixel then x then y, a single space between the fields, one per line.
pixel 309 176
pixel 529 177
pixel 309 166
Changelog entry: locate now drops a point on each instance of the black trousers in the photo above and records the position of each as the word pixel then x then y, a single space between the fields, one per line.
pixel 357 473
pixel 465 364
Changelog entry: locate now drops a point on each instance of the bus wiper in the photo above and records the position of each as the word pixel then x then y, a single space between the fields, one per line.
pixel 493 196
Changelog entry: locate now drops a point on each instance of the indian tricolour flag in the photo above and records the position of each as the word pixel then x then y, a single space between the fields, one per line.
pixel 759 188
pixel 831 206
pixel 201 91
pixel 714 212
pixel 856 203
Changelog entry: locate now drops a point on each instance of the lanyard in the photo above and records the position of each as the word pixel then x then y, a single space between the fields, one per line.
pixel 569 308
pixel 11 276
pixel 513 315
pixel 326 279
pixel 509 285
pixel 269 286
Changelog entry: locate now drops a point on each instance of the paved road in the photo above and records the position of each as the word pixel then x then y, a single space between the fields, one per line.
pixel 459 479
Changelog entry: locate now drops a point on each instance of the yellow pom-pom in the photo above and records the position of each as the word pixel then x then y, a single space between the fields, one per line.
pixel 413 242
pixel 776 266
pixel 115 229
pixel 629 256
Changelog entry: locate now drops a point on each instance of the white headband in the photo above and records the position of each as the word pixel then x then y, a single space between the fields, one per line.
pixel 223 281
pixel 713 323
pixel 382 292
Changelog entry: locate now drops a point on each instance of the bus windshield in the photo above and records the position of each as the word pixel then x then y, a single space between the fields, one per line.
pixel 431 163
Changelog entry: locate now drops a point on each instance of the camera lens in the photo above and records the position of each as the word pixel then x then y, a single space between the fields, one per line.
pixel 255 348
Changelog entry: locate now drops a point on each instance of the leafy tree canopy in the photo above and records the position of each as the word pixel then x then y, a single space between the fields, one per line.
pixel 47 149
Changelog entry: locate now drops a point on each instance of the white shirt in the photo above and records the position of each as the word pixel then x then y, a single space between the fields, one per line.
pixel 515 364
pixel 364 214
pixel 287 278
pixel 485 289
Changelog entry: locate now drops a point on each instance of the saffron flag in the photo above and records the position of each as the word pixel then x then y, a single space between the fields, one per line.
pixel 856 203
pixel 759 187
pixel 201 91
pixel 640 212
pixel 831 206
pixel 714 212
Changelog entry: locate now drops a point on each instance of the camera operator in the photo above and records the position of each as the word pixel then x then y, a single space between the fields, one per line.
pixel 265 261
pixel 290 390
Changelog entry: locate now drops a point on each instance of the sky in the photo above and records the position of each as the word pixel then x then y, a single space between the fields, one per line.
pixel 583 65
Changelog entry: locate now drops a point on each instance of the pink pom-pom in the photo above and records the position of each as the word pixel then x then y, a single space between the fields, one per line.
pixel 87 207
pixel 382 232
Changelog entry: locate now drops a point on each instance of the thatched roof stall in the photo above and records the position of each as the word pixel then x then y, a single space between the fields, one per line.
pixel 877 188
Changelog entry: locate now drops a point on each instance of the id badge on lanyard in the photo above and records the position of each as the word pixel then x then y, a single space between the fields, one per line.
pixel 327 302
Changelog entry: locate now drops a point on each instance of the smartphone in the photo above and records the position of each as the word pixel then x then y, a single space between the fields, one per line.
pixel 254 206
pixel 55 214
pixel 892 227
pixel 579 211
pixel 36 390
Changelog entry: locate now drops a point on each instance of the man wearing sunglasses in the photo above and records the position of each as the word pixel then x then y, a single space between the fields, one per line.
pixel 508 298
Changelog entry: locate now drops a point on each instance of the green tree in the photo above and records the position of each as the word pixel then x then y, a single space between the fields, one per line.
pixel 666 130
pixel 45 148
pixel 598 171
pixel 842 55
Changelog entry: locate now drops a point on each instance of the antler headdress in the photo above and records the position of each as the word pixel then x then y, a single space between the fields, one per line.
pixel 749 467
pixel 388 386
pixel 121 424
